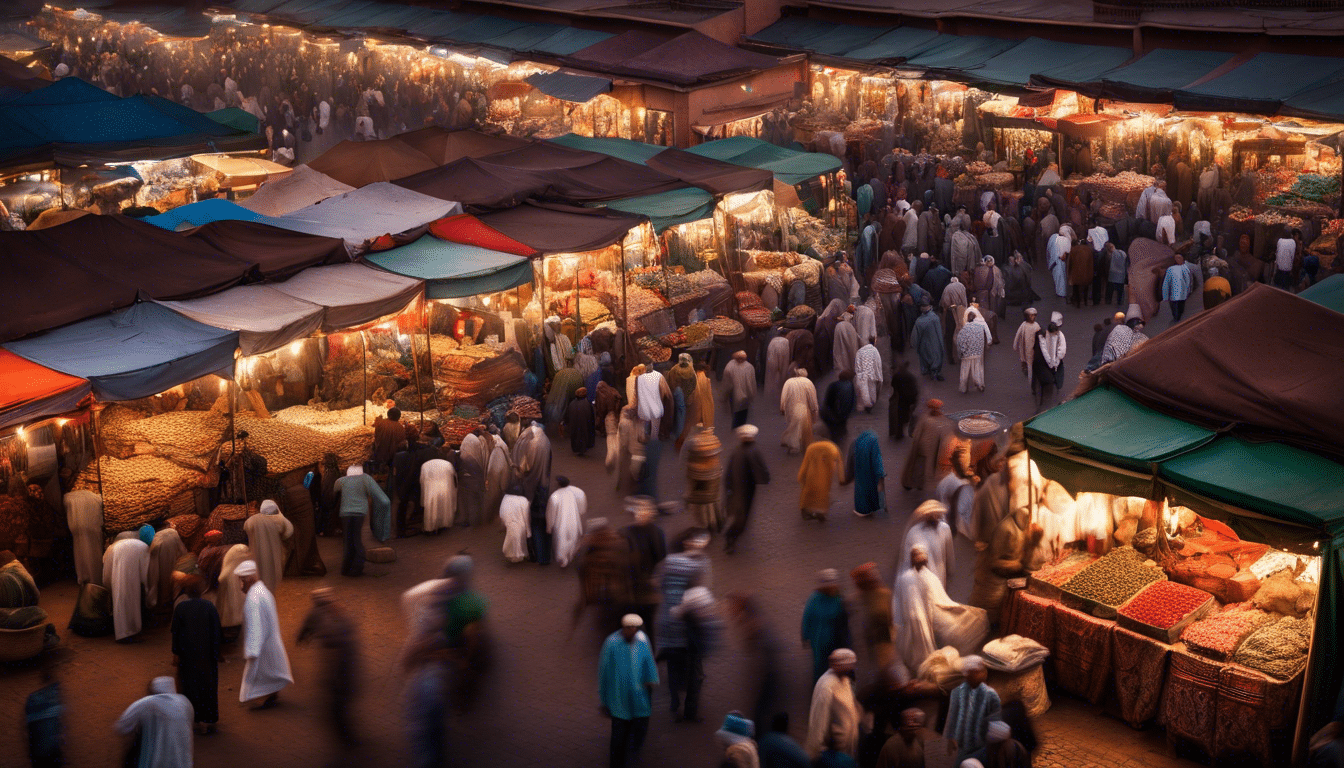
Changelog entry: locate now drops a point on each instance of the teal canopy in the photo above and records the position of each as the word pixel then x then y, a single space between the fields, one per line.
pixel 569 87
pixel 1329 293
pixel 958 52
pixel 789 166
pixel 897 45
pixel 234 117
pixel 1035 57
pixel 624 149
pixel 1106 425
pixel 1263 83
pixel 799 33
pixel 204 212
pixel 1157 74
pixel 668 209
pixel 455 270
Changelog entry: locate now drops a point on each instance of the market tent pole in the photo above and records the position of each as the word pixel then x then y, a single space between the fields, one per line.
pixel 97 441
pixel 428 313
pixel 415 364
pixel 364 349
pixel 1301 729
pixel 625 308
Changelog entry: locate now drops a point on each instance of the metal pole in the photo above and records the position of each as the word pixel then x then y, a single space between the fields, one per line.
pixel 625 310
pixel 97 458
pixel 415 363
pixel 364 348
pixel 428 313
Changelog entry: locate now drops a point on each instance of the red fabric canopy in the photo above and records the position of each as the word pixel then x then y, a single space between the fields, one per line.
pixel 29 391
pixel 469 230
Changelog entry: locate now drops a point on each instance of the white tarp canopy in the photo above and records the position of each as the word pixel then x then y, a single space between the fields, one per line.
pixel 353 294
pixel 369 212
pixel 294 191
pixel 267 319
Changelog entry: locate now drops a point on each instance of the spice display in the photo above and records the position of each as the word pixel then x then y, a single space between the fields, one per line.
pixel 748 299
pixel 801 315
pixel 706 279
pixel 1114 578
pixel 455 429
pixel 1278 649
pixel 754 317
pixel 189 438
pixel 1272 562
pixel 772 259
pixel 138 489
pixel 1164 604
pixel 1218 636
pixel 290 443
pixel 1117 188
pixel 724 326
pixel 654 350
pixel 697 335
pixel 476 374
pixel 1064 568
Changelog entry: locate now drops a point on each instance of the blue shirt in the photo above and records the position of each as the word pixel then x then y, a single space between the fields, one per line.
pixel 625 670
pixel 1178 283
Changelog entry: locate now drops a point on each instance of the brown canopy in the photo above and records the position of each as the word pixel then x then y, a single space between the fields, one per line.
pixel 278 253
pixel 360 163
pixel 551 228
pixel 713 176
pixel 477 183
pixel 444 146
pixel 1265 363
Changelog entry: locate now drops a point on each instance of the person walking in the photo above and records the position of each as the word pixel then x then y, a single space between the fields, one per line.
pixel 126 574
pixel 825 621
pixel 564 519
pixel 627 674
pixel 868 374
pixel 1117 274
pixel 818 472
pixel 741 388
pixel 838 405
pixel 161 726
pixel 927 339
pixel 648 549
pixel 580 423
pixel 266 669
pixel 972 341
pixel 1024 342
pixel 44 714
pixel 266 533
pixel 1177 285
pixel 877 621
pixel 765 657
pixel 904 395
pixel 514 515
pixel 1052 347
pixel 920 470
pixel 833 721
pixel 684 650
pixel 438 494
pixel 532 467
pixel 798 403
pixel 746 470
pixel 334 630
pixel 196 652
pixel 361 496
pixel 864 468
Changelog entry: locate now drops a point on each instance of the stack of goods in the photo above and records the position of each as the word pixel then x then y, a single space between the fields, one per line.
pixel 809 271
pixel 762 260
pixel 1115 189
pixel 455 429
pixel 702 456
pixel 475 374
pixel 1278 649
pixel 757 280
pixel 1241 213
pixel 1164 609
pixel 865 129
pixel 755 318
pixel 288 444
pixel 641 301
pixel 1308 189
pixel 978 168
pixel 653 350
pixel 18 511
pixel 228 519
pixel 811 231
pixel 1106 584
pixel 190 527
pixel 593 307
pixel 697 335
pixel 1013 653
pixel 707 279
pixel 1218 637
pixel 726 329
pixel 800 316
pixel 141 488
pixel 1325 246
pixel 1001 181
pixel 1047 580
pixel 188 438
pixel 747 299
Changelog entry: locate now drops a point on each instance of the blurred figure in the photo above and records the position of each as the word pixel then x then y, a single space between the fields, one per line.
pixel 739 749
pixel 833 722
pixel 44 713
pixel 627 675
pixel 816 475
pixel 778 749
pixel 684 651
pixel 868 374
pixel 687 566
pixel 532 464
pixel 648 548
pixel 741 378
pixel 514 514
pixel 266 532
pixel 196 652
pixel 838 405
pixel 765 654
pixel 927 619
pixel 905 749
pixel 229 594
pixel 161 726
pixel 746 470
pixel 335 633
pixel 564 519
pixel 798 403
pixel 920 470
pixel 267 666
pixel 438 494
pixel 125 574
pixel 864 467
pixel 603 565
pixel 904 395
pixel 210 559
pixel 825 621
pixel 929 529
pixel 1001 750
pixel 704 480
pixel 876 601
pixel 580 423
pixel 970 709
pixel 84 516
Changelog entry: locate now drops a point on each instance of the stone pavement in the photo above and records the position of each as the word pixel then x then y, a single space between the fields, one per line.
pixel 540 707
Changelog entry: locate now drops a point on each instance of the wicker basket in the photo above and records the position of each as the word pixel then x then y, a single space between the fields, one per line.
pixel 22 644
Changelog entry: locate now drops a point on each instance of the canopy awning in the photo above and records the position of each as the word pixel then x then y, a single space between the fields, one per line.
pixel 29 391
pixel 278 253
pixel 714 176
pixel 957 52
pixel 1035 57
pixel 235 117
pixel 454 270
pixel 241 171
pixel 201 213
pixel 1106 425
pixel 444 146
pixel 1329 293
pixel 788 165
pixel 570 87
pixel 563 229
pixel 361 163
pixel 1154 77
pixel 1262 83
pixel 265 318
pixel 299 189
pixel 668 209
pixel 353 294
pixel 135 352
pixel 688 59
pixel 367 213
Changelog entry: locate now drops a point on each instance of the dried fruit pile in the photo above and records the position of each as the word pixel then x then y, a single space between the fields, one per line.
pixel 725 326
pixel 1278 649
pixel 189 438
pixel 698 334
pixel 1164 604
pixel 1114 578
pixel 1218 636
pixel 801 314
pixel 138 489
pixel 1117 188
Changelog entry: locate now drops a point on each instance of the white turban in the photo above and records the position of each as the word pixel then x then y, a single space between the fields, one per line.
pixel 747 432
pixel 632 620
pixel 843 656
pixel 998 732
pixel 246 568
pixel 163 684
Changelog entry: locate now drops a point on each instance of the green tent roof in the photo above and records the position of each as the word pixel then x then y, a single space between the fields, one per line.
pixel 1329 293
pixel 569 87
pixel 1270 478
pixel 455 270
pixel 668 209
pixel 1107 425
pixel 623 149
pixel 789 166
pixel 236 118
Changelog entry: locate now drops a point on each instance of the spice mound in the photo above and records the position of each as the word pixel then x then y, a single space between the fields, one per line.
pixel 1114 578
pixel 1218 636
pixel 1279 649
pixel 1164 604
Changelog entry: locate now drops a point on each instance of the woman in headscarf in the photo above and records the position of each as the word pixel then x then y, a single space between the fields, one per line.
pixel 865 469
pixel 953 305
pixel 777 368
pixel 817 474
pixel 266 532
pixel 798 403
pixel 972 340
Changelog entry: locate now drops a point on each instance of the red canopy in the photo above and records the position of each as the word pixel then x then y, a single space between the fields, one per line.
pixel 30 391
pixel 469 230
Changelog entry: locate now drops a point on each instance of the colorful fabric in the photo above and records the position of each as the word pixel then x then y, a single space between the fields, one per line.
pixel 1082 653
pixel 1140 674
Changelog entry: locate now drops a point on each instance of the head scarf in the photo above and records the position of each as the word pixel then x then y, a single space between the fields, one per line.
pixel 246 568
pixel 747 432
pixel 269 507
pixel 354 469
pixel 146 533
pixel 1057 319
pixel 930 510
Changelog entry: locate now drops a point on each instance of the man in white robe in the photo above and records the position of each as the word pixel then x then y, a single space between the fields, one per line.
pixel 1024 343
pixel 929 528
pixel 868 375
pixel 564 519
pixel 514 513
pixel 798 403
pixel 1059 245
pixel 650 389
pixel 126 574
pixel 266 671
pixel 927 619
pixel 164 551
pixel 266 532
pixel 438 494
pixel 84 516
pixel 835 714
pixel 164 721
pixel 958 495
pixel 844 343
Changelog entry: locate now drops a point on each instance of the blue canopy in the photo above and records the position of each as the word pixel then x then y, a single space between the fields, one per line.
pixel 844 41
pixel 957 52
pixel 897 45
pixel 454 270
pixel 133 353
pixel 1036 57
pixel 568 87
pixel 1262 83
pixel 205 212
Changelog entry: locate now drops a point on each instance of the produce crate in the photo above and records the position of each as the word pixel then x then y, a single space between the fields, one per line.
pixel 1107 610
pixel 1170 634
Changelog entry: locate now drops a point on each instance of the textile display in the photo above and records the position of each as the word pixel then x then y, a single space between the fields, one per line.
pixel 1140 673
pixel 1082 653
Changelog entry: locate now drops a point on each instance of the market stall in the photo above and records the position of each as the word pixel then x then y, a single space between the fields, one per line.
pixel 299 189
